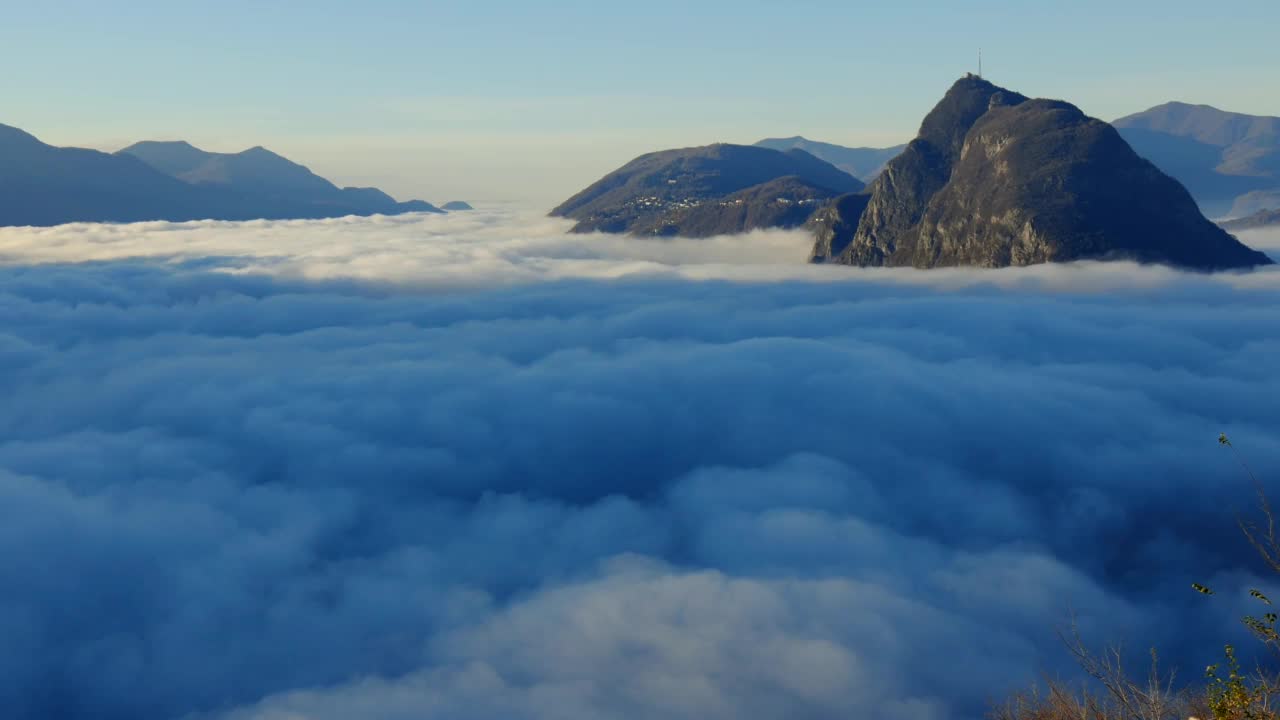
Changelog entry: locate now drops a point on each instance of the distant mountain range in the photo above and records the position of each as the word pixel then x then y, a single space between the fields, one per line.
pixel 995 178
pixel 45 185
pixel 862 163
pixel 1228 161
pixel 710 190
pixel 992 179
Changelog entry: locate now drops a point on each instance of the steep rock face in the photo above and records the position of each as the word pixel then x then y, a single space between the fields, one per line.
pixel 996 179
pixel 833 226
pixel 901 194
pixel 700 191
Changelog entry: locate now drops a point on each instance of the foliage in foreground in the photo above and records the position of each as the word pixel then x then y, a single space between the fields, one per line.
pixel 1226 693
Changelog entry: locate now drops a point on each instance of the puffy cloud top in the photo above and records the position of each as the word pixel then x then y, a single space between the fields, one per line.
pixel 471 467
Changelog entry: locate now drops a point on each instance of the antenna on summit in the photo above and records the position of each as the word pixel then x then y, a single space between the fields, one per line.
pixel 979 62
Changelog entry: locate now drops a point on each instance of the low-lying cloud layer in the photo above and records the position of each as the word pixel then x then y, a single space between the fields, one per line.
pixel 469 467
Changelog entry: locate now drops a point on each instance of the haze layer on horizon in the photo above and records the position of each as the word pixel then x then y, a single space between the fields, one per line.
pixel 504 101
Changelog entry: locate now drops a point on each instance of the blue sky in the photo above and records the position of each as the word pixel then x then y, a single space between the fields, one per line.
pixel 501 100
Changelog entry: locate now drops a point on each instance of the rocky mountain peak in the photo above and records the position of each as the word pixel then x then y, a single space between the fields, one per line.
pixel 995 179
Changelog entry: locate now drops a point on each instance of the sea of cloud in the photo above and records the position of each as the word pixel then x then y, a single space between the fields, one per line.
pixel 474 467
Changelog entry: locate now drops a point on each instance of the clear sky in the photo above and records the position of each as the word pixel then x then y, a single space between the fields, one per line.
pixel 493 100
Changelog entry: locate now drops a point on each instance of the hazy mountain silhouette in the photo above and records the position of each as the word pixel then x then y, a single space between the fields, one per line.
pixel 262 173
pixel 862 163
pixel 996 179
pixel 1260 219
pixel 1219 156
pixel 256 168
pixel 710 190
pixel 456 206
pixel 45 185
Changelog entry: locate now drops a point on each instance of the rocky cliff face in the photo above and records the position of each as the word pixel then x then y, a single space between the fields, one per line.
pixel 900 196
pixel 996 179
pixel 835 224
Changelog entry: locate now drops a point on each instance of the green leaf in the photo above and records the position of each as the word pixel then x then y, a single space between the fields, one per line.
pixel 1257 595
pixel 1201 589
